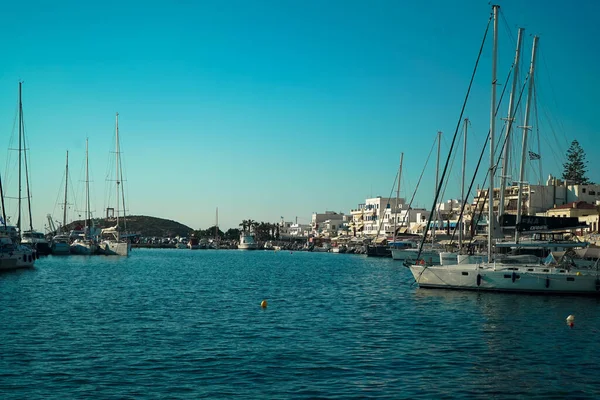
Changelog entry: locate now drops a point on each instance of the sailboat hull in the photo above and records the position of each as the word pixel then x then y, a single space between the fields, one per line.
pixel 523 279
pixel 10 263
pixel 84 249
pixel 112 248
pixel 410 255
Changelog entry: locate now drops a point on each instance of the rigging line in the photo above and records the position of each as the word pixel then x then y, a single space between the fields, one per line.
pixel 26 172
pixel 537 127
pixel 456 176
pixel 501 148
pixel 495 165
pixel 543 57
pixel 504 127
pixel 510 34
pixel 455 133
pixel 10 143
pixel 487 174
pixel 418 182
pixel 500 139
pixel 3 208
pixel 451 166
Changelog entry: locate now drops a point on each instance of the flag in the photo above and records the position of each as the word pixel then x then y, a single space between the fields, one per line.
pixel 534 156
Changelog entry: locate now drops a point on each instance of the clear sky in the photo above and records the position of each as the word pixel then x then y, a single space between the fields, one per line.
pixel 275 108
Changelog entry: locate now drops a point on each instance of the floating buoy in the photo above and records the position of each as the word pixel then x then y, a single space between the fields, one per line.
pixel 571 321
pixel 578 273
pixel 263 304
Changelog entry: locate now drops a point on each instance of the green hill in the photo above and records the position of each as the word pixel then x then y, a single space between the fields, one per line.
pixel 144 225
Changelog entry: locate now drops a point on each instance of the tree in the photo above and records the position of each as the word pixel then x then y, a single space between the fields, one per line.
pixel 575 167
pixel 232 234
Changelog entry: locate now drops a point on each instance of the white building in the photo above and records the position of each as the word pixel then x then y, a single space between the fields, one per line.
pixel 538 198
pixel 328 223
pixel 380 215
pixel 300 230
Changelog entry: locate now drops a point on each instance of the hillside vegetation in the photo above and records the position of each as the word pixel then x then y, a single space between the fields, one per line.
pixel 144 225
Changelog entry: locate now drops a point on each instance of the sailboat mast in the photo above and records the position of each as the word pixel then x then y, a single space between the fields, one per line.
pixel 122 186
pixel 462 185
pixel 525 127
pixel 117 168
pixel 397 197
pixel 3 208
pixel 20 145
pixel 87 186
pixel 492 136
pixel 510 119
pixel 437 171
pixel 66 186
pixel 217 225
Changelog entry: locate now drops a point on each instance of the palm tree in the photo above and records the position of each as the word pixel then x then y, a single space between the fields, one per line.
pixel 252 225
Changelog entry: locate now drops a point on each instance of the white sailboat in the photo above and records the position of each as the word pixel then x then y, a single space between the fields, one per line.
pixel 61 242
pixel 501 274
pixel 30 238
pixel 13 254
pixel 85 244
pixel 113 244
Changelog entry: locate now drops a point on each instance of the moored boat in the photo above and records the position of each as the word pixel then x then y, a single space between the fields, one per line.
pixel 247 242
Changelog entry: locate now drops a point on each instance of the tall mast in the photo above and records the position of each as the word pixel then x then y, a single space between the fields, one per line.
pixel 525 127
pixel 117 167
pixel 20 145
pixel 510 119
pixel 397 197
pixel 87 186
pixel 122 188
pixel 437 171
pixel 27 177
pixel 492 136
pixel 3 208
pixel 66 185
pixel 462 186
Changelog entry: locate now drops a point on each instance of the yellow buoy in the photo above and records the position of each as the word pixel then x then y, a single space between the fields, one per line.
pixel 263 304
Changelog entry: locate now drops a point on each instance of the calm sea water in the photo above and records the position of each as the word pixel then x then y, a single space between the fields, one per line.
pixel 188 324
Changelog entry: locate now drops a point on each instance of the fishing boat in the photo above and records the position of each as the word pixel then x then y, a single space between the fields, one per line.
pixel 60 245
pixel 501 273
pixel 247 242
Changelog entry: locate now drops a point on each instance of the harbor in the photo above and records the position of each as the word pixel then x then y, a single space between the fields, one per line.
pixel 316 200
pixel 190 324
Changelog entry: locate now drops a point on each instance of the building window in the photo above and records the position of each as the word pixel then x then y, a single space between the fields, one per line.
pixel 582 190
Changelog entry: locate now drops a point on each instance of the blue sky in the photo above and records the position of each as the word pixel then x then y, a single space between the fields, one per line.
pixel 275 108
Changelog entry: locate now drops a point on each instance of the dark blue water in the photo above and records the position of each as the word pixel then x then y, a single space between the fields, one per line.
pixel 188 324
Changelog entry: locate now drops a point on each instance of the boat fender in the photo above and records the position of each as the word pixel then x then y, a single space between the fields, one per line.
pixel 514 276
pixel 478 279
pixel 597 284
pixel 548 283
